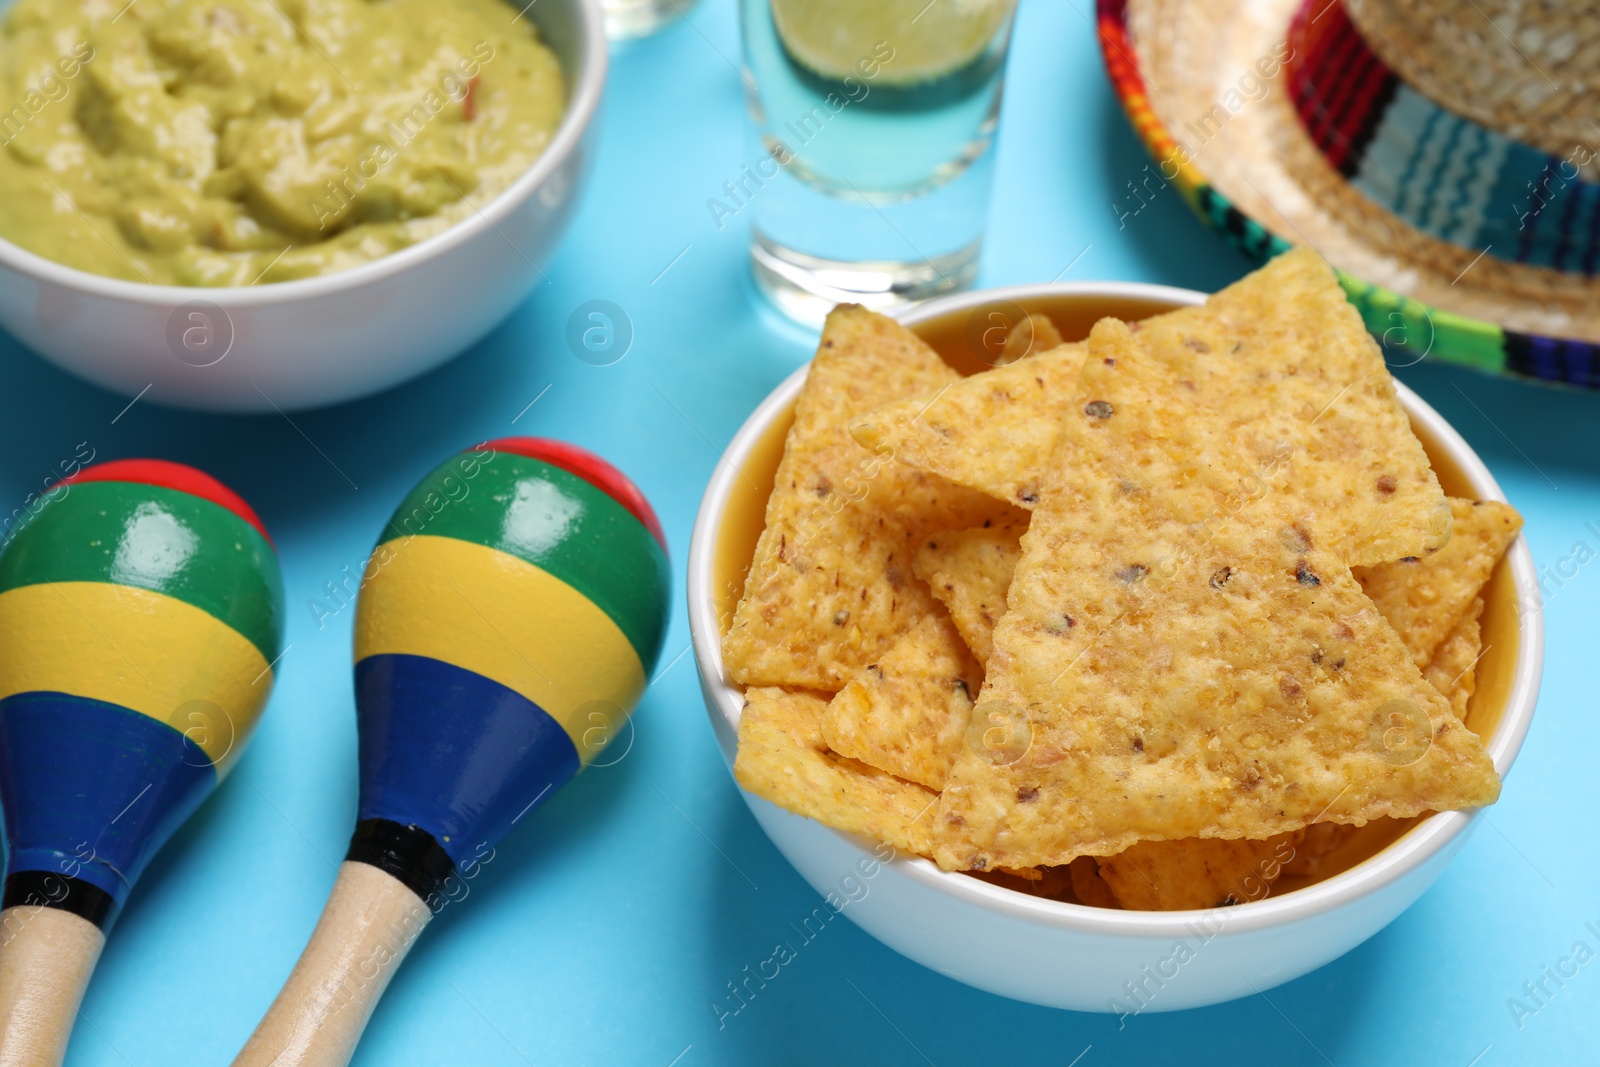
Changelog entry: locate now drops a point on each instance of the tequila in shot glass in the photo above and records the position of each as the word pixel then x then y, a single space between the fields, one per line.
pixel 874 120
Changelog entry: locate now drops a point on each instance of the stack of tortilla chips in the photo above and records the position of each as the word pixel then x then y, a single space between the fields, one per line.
pixel 1142 621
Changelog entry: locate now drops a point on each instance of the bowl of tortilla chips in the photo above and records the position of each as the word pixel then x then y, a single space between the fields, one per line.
pixel 1110 646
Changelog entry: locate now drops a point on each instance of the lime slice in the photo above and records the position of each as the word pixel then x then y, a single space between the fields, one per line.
pixel 929 39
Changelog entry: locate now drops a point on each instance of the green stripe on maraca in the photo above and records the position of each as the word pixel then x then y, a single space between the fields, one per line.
pixel 556 521
pixel 167 541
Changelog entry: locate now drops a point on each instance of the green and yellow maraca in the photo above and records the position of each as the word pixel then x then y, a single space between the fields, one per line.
pixel 507 624
pixel 141 613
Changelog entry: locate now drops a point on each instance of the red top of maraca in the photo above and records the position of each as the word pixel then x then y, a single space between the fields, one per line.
pixel 178 476
pixel 592 469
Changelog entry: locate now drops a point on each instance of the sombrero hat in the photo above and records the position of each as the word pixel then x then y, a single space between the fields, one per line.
pixel 1445 156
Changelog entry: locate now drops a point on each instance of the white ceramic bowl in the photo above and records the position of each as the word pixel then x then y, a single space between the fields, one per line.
pixel 323 340
pixel 1067 955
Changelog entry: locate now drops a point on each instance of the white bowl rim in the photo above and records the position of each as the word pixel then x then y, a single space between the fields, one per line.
pixel 1410 852
pixel 585 95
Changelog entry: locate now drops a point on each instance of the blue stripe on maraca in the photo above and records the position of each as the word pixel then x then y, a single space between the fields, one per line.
pixel 148 778
pixel 452 752
pixel 492 613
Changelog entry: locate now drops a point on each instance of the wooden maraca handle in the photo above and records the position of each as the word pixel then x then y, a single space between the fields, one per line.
pixel 46 958
pixel 367 928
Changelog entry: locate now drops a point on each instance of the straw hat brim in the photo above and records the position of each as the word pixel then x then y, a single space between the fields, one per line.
pixel 1173 62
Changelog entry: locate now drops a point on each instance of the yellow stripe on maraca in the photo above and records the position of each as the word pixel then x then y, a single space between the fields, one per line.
pixel 145 651
pixel 488 612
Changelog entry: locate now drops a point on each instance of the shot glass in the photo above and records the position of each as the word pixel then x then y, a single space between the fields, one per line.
pixel 870 174
pixel 627 19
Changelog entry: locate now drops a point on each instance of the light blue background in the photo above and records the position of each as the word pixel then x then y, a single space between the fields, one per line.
pixel 613 917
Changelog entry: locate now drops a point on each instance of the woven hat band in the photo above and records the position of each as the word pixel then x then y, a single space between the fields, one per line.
pixel 1528 68
pixel 1444 174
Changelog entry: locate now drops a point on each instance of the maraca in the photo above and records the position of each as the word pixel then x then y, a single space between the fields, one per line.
pixel 507 623
pixel 141 611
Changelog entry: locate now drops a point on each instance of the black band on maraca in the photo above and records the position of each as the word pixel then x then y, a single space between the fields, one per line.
pixel 408 853
pixel 48 889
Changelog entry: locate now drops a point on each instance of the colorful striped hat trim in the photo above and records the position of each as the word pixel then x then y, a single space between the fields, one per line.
pixel 1442 173
pixel 1409 330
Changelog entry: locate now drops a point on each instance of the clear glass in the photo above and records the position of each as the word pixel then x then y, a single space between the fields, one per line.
pixel 870 184
pixel 627 19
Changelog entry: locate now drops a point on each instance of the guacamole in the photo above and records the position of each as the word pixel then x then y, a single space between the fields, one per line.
pixel 237 142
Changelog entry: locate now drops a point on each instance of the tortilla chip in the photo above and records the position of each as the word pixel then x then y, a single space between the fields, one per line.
pixel 908 712
pixel 1453 669
pixel 1424 598
pixel 1178 665
pixel 831 586
pixel 1055 883
pixel 970 571
pixel 992 432
pixel 1196 873
pixel 783 758
pixel 1036 334
pixel 1052 883
pixel 1321 840
pixel 1087 885
pixel 1184 674
pixel 1274 389
pixel 1027 874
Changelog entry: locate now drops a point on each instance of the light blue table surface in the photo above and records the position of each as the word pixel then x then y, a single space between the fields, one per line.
pixel 611 920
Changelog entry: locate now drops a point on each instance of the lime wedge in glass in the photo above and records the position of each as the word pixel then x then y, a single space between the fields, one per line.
pixel 929 39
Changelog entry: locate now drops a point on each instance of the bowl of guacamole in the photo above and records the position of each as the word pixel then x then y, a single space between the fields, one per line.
pixel 248 204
